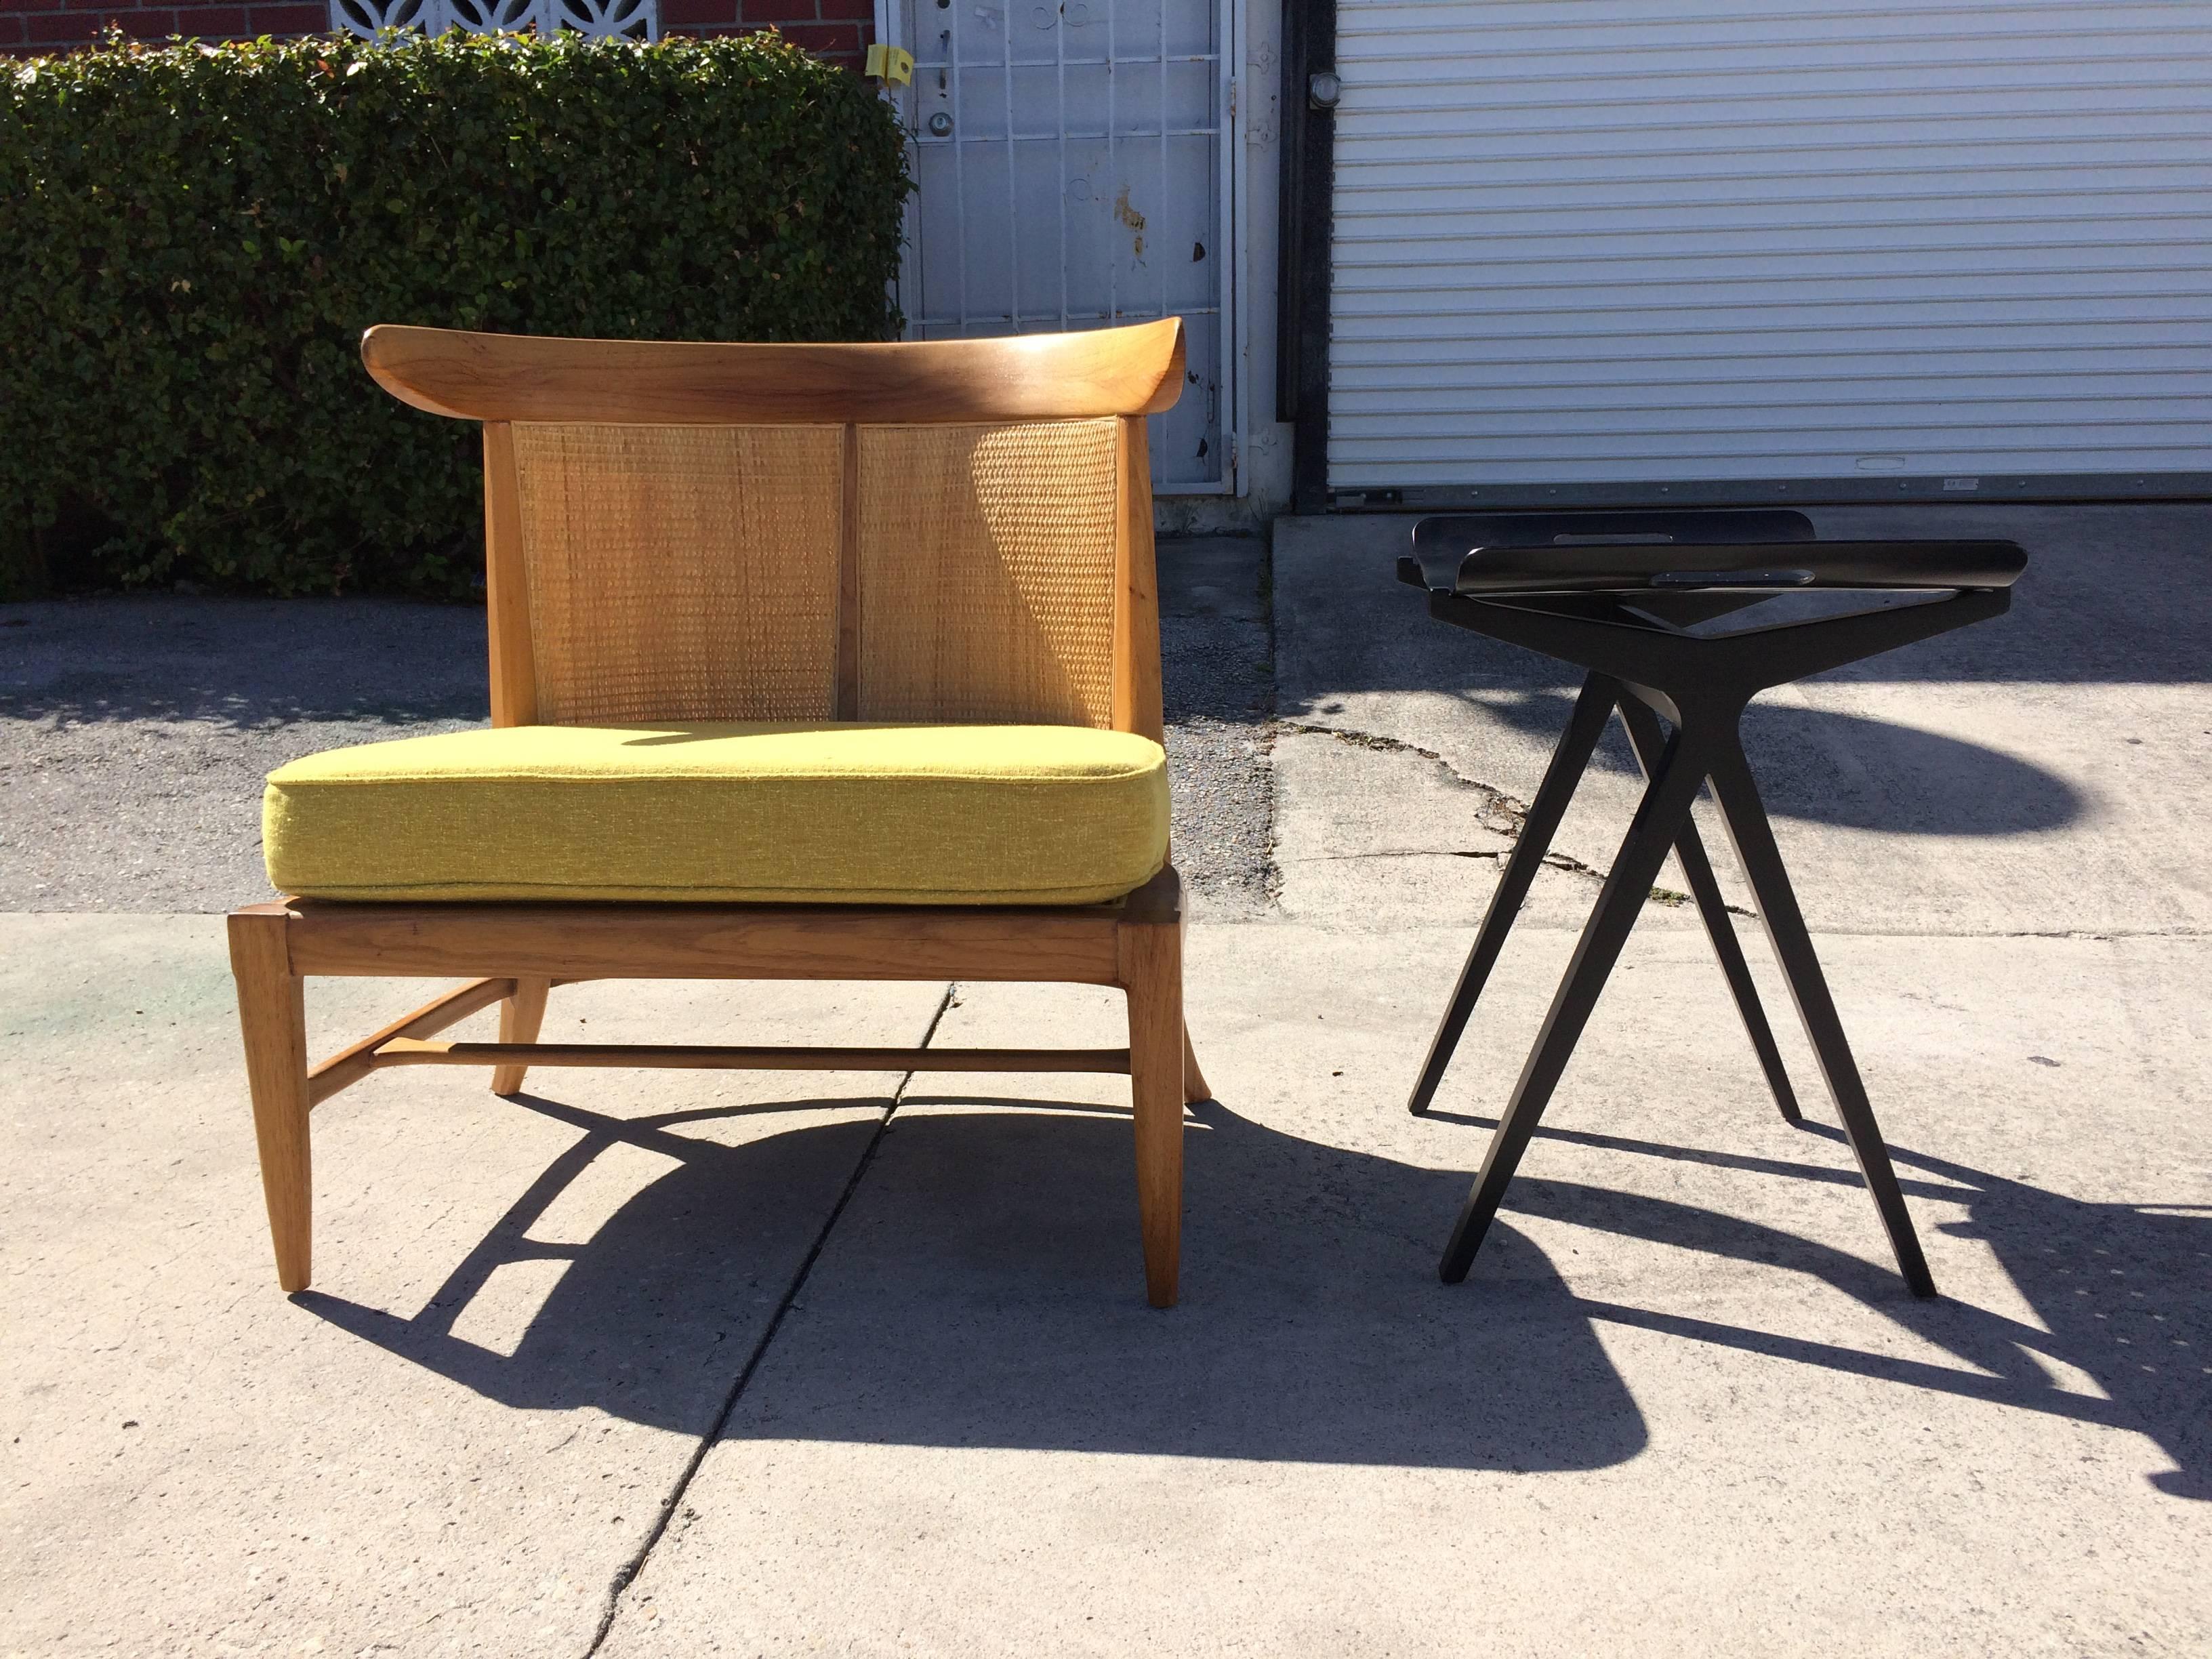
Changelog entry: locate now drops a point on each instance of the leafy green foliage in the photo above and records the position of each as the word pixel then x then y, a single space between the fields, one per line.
pixel 196 236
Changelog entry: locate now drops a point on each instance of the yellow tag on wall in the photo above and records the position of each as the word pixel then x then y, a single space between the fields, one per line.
pixel 893 64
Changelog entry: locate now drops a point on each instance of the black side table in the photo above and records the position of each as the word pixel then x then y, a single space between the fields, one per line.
pixel 1630 598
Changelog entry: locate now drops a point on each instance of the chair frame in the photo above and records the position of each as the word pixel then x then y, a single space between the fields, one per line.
pixel 514 953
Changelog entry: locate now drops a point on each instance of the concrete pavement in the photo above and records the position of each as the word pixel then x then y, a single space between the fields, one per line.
pixel 684 1364
pixel 2048 771
pixel 1683 1405
pixel 455 1441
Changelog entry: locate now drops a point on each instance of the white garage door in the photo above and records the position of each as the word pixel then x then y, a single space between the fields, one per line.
pixel 1594 242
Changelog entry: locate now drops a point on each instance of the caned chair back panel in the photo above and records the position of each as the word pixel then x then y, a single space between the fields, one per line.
pixel 953 531
pixel 680 573
pixel 986 573
pixel 692 573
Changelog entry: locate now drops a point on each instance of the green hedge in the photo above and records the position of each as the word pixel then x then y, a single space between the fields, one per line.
pixel 195 238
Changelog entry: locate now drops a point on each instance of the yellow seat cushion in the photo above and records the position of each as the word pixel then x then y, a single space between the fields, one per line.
pixel 726 810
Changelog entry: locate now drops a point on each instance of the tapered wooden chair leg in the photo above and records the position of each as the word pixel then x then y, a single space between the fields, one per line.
pixel 272 1018
pixel 1151 972
pixel 519 1017
pixel 1194 1087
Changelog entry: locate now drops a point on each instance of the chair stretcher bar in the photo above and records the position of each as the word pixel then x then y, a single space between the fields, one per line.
pixel 408 1051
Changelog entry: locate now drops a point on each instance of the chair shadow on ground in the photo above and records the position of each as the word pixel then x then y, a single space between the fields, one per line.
pixel 982 1290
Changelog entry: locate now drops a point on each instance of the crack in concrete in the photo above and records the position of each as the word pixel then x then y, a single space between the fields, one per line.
pixel 1271 867
pixel 626 1574
pixel 1501 814
pixel 1551 861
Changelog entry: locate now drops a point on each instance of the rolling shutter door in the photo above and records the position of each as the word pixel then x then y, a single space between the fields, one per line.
pixel 1611 243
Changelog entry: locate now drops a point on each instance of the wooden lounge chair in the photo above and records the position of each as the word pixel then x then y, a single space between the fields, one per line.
pixel 807 662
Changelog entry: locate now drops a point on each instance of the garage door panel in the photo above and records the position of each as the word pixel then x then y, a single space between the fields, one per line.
pixel 1990 291
pixel 1684 319
pixel 1749 382
pixel 1413 71
pixel 1846 46
pixel 1438 466
pixel 1377 240
pixel 1771 331
pixel 1402 88
pixel 1872 422
pixel 1905 224
pixel 1609 241
pixel 2160 188
pixel 1661 481
pixel 1437 138
pixel 1656 457
pixel 2054 163
pixel 1806 46
pixel 2027 260
pixel 1661 24
pixel 1410 61
pixel 1658 407
pixel 1605 126
pixel 1488 363
pixel 1937 200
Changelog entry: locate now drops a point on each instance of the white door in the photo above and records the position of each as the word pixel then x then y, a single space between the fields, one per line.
pixel 1074 170
pixel 1589 242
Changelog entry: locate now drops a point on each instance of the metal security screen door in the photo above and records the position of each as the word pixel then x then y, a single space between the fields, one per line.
pixel 1695 250
pixel 1074 172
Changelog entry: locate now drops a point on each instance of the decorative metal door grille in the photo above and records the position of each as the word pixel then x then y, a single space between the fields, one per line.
pixel 633 20
pixel 1075 171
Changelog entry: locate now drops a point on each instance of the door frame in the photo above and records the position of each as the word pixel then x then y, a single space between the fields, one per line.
pixel 1306 254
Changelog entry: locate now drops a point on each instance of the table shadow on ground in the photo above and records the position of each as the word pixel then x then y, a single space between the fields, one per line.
pixel 1820 767
pixel 2123 1291
pixel 982 1289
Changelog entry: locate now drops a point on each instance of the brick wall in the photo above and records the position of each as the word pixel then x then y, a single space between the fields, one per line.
pixel 57 25
pixel 838 30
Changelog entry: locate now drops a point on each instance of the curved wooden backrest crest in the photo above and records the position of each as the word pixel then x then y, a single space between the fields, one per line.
pixel 936 530
pixel 1138 370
